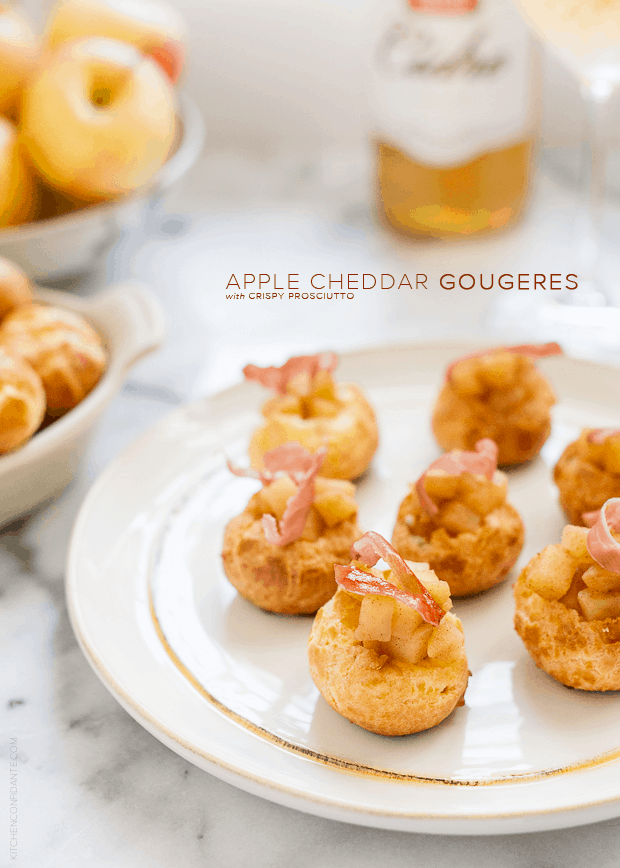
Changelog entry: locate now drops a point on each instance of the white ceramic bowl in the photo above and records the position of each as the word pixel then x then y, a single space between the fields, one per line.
pixel 131 324
pixel 66 247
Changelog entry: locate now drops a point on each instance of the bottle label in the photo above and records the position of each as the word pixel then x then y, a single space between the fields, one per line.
pixel 447 87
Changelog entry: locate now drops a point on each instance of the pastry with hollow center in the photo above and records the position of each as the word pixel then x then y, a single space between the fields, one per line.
pixel 385 652
pixel 568 604
pixel 497 393
pixel 588 472
pixel 456 519
pixel 280 552
pixel 22 402
pixel 311 409
pixel 61 346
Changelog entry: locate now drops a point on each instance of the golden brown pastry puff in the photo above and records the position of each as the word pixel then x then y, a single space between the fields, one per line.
pixel 500 394
pixel 456 519
pixel 22 401
pixel 280 552
pixel 385 652
pixel 62 348
pixel 15 287
pixel 568 604
pixel 311 409
pixel 588 472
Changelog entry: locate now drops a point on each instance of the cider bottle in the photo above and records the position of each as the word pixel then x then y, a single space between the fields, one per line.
pixel 455 117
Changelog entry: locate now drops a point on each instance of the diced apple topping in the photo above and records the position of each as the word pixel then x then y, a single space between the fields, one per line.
pixel 446 641
pixel 321 407
pixel 505 378
pixel 483 495
pixel 310 396
pixel 465 380
pixel 406 622
pixel 551 572
pixel 334 500
pixel 276 495
pixel 500 370
pixel 417 566
pixel 286 404
pixel 335 508
pixel 300 384
pixel 461 493
pixel 439 590
pixel 358 578
pixel 441 485
pixel 413 648
pixel 597 606
pixel 457 518
pixel 324 484
pixel 401 631
pixel 459 476
pixel 313 527
pixel 600 580
pixel 574 542
pixel 507 371
pixel 375 620
pixel 323 386
pixel 285 504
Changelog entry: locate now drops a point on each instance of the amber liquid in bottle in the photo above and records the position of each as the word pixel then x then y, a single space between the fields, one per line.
pixel 444 195
pixel 483 195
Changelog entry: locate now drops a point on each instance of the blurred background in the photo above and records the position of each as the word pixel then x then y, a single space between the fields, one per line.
pixel 286 183
pixel 274 78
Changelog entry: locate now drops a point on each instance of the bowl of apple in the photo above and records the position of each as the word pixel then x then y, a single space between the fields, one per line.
pixel 92 129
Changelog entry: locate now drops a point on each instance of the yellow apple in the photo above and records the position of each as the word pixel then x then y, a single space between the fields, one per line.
pixel 18 188
pixel 153 26
pixel 98 120
pixel 18 53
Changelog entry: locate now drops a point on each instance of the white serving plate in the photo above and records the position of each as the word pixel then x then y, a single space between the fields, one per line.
pixel 226 685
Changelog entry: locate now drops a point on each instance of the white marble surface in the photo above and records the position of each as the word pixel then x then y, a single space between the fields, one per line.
pixel 93 787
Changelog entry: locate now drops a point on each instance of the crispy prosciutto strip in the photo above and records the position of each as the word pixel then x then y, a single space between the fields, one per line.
pixel 369 549
pixel 599 435
pixel 294 459
pixel 483 461
pixel 298 506
pixel 264 476
pixel 302 466
pixel 590 518
pixel 358 582
pixel 600 543
pixel 277 379
pixel 534 351
pixel 289 458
